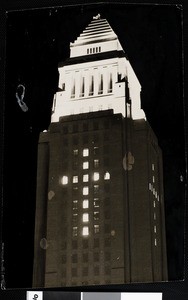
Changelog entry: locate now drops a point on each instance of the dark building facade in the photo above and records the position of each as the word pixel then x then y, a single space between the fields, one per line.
pixel 100 208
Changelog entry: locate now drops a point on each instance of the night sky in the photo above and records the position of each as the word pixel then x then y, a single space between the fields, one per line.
pixel 37 40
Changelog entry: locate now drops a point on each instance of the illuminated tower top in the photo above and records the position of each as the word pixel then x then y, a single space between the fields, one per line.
pixel 98 36
pixel 97 76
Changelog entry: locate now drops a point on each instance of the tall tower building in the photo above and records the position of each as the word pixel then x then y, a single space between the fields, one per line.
pixel 100 207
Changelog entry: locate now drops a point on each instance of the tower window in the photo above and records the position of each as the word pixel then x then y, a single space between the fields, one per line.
pixel 107 176
pixel 85 257
pixel 75 204
pixel 99 49
pixel 82 87
pixel 75 231
pixel 75 218
pixel 85 165
pixel 85 217
pixel 153 167
pixel 155 228
pixel 96 256
pixel 85 190
pixel 75 179
pixel 153 179
pixel 64 180
pixel 110 84
pixel 96 215
pixel 74 258
pixel 96 150
pixel 85 178
pixel 85 152
pixel 96 163
pixel 96 202
pixel 85 204
pixel 100 84
pixel 96 176
pixel 73 89
pixel 96 228
pixel 91 87
pixel 96 189
pixel 75 152
pixel 87 51
pixel 85 231
pixel 155 242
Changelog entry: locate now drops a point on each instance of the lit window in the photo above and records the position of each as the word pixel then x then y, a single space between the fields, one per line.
pixel 155 228
pixel 85 231
pixel 85 178
pixel 153 167
pixel 155 242
pixel 75 231
pixel 64 180
pixel 150 186
pixel 85 165
pixel 75 179
pixel 154 216
pixel 96 163
pixel 85 217
pixel 153 203
pixel 96 228
pixel 85 204
pixel 96 176
pixel 75 152
pixel 153 179
pixel 107 176
pixel 85 152
pixel 85 190
pixel 96 202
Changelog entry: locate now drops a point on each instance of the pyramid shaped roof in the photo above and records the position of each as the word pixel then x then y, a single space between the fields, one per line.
pixel 98 30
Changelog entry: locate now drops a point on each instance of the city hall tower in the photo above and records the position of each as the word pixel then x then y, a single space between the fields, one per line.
pixel 100 207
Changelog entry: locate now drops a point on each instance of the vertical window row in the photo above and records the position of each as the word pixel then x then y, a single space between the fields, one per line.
pixel 94 50
pixel 87 84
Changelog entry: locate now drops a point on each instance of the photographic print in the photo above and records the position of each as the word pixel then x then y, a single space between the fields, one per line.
pixel 94 155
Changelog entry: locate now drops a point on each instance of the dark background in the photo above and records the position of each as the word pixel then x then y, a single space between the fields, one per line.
pixel 36 40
